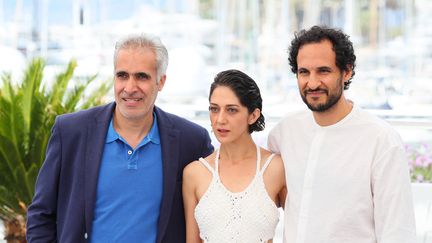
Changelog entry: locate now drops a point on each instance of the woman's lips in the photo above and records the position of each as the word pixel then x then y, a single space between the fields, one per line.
pixel 222 131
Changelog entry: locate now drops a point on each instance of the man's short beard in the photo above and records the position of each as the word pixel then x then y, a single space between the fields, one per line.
pixel 331 101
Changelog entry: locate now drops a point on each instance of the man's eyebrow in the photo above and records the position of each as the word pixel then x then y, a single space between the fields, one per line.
pixel 324 68
pixel 142 73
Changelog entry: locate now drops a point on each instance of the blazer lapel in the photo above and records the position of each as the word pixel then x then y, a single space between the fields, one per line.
pixel 96 134
pixel 170 161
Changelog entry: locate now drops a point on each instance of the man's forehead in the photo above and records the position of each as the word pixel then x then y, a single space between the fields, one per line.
pixel 128 58
pixel 324 45
pixel 317 55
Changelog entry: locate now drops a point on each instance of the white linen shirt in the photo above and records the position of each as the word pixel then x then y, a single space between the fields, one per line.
pixel 347 183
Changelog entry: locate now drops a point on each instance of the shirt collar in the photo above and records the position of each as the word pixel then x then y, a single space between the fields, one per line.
pixel 153 135
pixel 112 135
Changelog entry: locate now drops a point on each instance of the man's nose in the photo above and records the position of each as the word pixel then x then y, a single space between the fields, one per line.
pixel 131 85
pixel 314 81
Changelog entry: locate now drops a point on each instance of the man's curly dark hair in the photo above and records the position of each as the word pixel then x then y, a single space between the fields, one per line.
pixel 342 46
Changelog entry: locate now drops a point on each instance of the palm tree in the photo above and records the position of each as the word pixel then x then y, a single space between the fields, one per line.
pixel 27 113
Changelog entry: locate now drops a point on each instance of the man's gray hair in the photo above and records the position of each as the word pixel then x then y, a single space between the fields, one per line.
pixel 145 41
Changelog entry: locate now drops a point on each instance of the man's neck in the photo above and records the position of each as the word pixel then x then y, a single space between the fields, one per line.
pixel 334 114
pixel 132 130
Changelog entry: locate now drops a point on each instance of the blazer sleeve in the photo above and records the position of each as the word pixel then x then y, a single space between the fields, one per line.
pixel 42 213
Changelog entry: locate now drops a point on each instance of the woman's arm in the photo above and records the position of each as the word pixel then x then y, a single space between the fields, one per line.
pixel 282 197
pixel 281 181
pixel 190 201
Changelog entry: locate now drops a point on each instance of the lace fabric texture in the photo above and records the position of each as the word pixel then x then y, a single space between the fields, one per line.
pixel 236 217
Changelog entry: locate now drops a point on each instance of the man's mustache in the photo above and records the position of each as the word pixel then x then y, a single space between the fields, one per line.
pixel 306 91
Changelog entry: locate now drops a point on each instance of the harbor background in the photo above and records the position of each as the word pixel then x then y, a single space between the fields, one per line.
pixel 392 39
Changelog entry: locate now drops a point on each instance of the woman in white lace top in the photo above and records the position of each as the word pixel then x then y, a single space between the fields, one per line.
pixel 233 194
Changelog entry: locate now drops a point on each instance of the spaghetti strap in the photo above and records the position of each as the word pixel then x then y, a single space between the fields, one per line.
pixel 206 164
pixel 266 164
pixel 258 162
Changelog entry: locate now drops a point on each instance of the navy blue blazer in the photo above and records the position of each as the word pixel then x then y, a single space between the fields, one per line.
pixel 63 204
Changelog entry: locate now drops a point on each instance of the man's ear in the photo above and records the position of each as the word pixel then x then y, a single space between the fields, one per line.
pixel 347 74
pixel 161 82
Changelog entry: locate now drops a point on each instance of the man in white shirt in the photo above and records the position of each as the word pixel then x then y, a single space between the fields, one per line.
pixel 346 170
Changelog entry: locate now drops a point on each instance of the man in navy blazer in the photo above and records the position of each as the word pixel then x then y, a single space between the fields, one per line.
pixel 113 173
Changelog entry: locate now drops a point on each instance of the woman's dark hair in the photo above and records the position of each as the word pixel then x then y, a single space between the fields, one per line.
pixel 342 46
pixel 246 90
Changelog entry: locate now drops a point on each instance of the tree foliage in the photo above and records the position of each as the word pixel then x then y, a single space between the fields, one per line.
pixel 27 113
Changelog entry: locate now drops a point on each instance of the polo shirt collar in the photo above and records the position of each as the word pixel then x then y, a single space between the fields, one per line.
pixel 153 135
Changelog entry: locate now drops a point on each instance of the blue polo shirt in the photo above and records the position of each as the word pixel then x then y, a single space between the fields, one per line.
pixel 129 190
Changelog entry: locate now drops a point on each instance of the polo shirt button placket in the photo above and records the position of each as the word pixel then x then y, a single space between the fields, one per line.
pixel 132 162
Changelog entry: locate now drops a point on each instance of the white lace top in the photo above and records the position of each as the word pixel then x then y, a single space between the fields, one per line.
pixel 236 217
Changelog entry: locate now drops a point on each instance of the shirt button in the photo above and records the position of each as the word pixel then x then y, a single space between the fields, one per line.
pixel 129 152
pixel 85 235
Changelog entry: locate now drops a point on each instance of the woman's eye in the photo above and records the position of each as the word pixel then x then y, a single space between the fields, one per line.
pixel 232 110
pixel 213 109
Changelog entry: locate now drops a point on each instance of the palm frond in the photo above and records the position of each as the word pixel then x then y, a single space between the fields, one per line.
pixel 27 113
pixel 30 90
pixel 62 80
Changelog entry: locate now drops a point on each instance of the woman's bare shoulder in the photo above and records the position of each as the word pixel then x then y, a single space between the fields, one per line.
pixel 197 168
pixel 277 159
